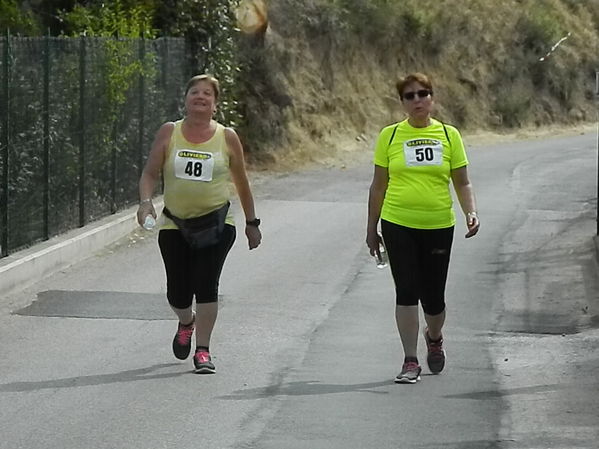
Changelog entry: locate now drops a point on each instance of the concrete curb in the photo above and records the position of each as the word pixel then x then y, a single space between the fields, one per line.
pixel 26 267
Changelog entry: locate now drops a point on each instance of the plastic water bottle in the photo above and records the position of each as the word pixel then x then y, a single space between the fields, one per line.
pixel 383 260
pixel 149 223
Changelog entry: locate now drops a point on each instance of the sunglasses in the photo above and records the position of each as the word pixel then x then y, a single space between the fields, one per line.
pixel 422 93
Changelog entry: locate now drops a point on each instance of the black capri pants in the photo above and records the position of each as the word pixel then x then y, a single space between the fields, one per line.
pixel 193 272
pixel 419 260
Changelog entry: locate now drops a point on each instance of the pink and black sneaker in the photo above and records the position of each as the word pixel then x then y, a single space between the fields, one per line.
pixel 203 362
pixel 182 340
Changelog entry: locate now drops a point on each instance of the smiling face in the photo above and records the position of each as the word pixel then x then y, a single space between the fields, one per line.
pixel 201 98
pixel 417 100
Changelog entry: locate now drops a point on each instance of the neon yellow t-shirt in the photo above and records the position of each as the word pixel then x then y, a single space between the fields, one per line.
pixel 419 161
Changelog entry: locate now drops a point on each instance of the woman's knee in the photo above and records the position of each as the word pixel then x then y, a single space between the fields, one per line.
pixel 403 299
pixel 206 298
pixel 434 308
pixel 179 300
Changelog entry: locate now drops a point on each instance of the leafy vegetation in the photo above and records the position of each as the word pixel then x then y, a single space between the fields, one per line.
pixel 208 27
pixel 17 20
pixel 484 56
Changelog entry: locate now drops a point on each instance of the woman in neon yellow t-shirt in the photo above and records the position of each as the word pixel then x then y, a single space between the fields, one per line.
pixel 414 161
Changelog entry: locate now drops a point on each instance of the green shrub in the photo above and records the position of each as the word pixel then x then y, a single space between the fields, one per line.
pixel 16 19
pixel 513 104
pixel 540 29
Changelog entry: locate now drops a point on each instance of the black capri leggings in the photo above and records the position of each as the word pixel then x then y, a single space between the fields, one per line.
pixel 193 272
pixel 419 260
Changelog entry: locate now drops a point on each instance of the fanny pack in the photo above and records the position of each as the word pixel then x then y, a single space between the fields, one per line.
pixel 200 232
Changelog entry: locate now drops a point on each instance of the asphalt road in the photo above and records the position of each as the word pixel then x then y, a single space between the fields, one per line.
pixel 305 346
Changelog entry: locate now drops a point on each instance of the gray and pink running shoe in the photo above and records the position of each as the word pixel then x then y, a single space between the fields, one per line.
pixel 410 373
pixel 203 362
pixel 435 358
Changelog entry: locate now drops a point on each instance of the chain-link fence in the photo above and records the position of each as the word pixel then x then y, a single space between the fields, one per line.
pixel 77 118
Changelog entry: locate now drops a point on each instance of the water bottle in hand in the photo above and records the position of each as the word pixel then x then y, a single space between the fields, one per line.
pixel 383 260
pixel 149 223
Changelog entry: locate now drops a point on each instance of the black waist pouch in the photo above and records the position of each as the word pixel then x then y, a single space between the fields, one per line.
pixel 200 232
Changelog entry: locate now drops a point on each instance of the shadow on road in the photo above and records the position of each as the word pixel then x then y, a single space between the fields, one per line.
pixel 306 388
pixel 100 379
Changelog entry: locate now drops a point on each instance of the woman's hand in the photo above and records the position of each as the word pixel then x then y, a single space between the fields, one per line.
pixel 145 208
pixel 253 235
pixel 374 240
pixel 151 171
pixel 472 223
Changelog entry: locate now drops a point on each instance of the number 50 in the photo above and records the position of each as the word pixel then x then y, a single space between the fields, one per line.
pixel 423 154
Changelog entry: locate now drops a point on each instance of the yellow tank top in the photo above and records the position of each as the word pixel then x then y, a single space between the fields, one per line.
pixel 196 176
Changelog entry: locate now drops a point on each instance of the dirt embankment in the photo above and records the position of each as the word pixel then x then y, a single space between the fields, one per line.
pixel 320 81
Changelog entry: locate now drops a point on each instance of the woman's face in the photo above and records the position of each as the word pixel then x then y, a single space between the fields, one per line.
pixel 200 98
pixel 417 100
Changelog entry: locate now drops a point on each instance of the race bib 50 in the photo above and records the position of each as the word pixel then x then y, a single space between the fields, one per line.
pixel 420 152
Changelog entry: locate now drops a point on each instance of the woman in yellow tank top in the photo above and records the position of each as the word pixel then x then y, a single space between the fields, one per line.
pixel 197 157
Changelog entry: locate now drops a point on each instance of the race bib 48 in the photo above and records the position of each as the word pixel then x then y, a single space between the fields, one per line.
pixel 194 165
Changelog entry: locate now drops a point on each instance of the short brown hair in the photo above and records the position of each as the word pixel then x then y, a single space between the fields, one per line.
pixel 417 77
pixel 205 77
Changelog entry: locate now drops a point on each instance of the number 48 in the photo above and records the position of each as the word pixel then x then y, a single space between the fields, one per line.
pixel 194 169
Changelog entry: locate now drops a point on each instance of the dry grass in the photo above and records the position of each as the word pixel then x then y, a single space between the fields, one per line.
pixel 360 150
pixel 335 64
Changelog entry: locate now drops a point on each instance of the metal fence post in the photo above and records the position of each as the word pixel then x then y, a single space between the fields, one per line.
pixel 5 145
pixel 114 138
pixel 82 131
pixel 597 99
pixel 142 88
pixel 165 66
pixel 46 118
